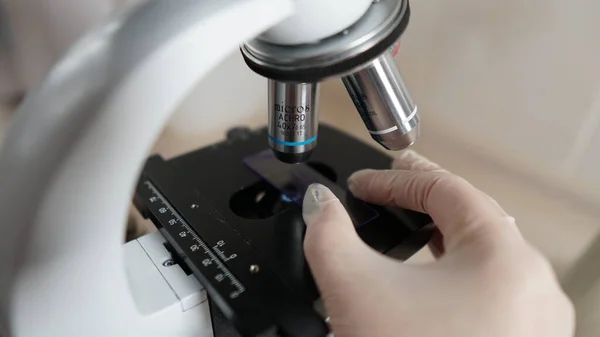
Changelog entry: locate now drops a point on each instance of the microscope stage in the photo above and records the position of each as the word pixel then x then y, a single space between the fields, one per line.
pixel 232 216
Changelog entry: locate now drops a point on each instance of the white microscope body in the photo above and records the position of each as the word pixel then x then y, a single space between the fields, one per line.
pixel 70 163
pixel 77 145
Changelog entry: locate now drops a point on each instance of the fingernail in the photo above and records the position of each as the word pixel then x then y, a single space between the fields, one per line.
pixel 315 198
pixel 355 179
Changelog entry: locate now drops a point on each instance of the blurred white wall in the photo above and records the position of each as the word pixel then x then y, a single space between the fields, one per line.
pixel 516 80
pixel 37 32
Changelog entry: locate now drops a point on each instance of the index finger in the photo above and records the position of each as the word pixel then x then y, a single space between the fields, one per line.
pixel 413 161
pixel 459 210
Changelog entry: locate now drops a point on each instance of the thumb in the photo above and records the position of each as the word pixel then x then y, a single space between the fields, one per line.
pixel 332 247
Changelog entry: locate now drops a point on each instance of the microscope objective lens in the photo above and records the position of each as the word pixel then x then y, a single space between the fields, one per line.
pixel 384 103
pixel 293 120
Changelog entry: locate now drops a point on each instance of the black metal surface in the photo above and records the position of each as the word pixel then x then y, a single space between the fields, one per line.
pixel 210 203
pixel 221 325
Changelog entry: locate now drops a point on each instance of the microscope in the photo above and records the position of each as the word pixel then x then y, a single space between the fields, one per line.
pixel 227 257
pixel 359 50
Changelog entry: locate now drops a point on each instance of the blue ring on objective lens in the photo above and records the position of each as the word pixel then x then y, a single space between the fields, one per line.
pixel 306 142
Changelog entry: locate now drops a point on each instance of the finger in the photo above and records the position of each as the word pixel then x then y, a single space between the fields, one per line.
pixel 456 207
pixel 494 204
pixel 331 241
pixel 412 161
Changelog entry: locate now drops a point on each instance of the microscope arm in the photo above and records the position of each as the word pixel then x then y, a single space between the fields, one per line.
pixel 69 165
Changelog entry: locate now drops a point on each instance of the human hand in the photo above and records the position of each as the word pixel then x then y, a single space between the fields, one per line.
pixel 488 282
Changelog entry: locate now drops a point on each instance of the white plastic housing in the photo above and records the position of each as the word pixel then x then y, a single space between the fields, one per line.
pixel 69 165
pixel 314 20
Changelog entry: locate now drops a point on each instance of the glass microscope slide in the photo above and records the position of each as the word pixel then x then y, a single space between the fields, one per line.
pixel 292 180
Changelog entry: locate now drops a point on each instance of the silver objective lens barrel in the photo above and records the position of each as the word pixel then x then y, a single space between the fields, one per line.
pixel 293 120
pixel 361 55
pixel 384 104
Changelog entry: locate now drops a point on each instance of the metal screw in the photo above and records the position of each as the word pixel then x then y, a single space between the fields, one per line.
pixel 169 263
pixel 254 269
pixel 345 32
pixel 194 206
pixel 375 1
